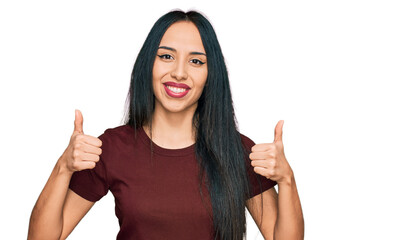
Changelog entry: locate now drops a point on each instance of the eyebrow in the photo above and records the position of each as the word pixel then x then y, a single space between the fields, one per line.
pixel 174 50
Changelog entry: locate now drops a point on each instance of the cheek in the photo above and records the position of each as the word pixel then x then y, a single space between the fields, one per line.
pixel 158 73
pixel 201 78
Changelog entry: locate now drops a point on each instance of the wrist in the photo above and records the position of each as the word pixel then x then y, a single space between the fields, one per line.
pixel 288 180
pixel 62 167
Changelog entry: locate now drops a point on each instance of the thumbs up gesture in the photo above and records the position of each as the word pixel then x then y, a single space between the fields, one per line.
pixel 268 159
pixel 83 150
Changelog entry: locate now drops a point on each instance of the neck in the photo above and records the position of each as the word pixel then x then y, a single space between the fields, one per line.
pixel 172 130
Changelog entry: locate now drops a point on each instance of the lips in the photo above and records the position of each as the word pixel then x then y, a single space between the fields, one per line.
pixel 176 90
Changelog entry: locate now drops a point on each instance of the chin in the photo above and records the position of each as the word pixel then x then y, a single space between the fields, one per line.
pixel 177 108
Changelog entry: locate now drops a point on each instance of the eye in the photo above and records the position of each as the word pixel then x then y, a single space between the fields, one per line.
pixel 165 56
pixel 197 62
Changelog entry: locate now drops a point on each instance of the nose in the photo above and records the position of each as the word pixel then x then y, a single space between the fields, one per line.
pixel 179 72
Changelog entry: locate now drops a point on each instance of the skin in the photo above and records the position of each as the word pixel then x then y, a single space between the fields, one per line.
pixel 282 213
pixel 58 209
pixel 172 123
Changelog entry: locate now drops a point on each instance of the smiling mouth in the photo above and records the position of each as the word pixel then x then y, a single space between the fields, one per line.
pixel 176 90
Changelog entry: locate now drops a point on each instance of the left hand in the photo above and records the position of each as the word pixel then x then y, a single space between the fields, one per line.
pixel 268 159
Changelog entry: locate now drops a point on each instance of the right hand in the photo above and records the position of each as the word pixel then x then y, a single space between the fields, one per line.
pixel 83 150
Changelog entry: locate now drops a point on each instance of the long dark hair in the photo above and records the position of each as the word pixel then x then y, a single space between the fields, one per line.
pixel 219 149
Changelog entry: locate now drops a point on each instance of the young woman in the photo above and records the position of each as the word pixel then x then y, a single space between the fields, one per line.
pixel 178 168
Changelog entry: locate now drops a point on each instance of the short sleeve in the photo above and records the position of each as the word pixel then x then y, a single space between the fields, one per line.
pixel 258 182
pixel 92 184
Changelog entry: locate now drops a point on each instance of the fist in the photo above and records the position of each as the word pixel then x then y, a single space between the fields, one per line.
pixel 83 150
pixel 268 159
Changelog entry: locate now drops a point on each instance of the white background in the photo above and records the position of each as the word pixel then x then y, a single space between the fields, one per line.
pixel 339 73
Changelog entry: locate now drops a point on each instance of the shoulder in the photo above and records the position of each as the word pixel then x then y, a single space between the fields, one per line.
pixel 247 142
pixel 117 137
pixel 115 140
pixel 117 132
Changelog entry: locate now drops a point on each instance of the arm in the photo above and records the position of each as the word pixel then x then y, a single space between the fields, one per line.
pixel 290 221
pixel 58 210
pixel 282 217
pixel 282 212
pixel 256 206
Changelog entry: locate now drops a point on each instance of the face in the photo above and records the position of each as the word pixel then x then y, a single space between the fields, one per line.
pixel 180 69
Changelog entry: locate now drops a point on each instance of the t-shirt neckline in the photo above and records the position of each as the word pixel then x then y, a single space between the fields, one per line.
pixel 165 151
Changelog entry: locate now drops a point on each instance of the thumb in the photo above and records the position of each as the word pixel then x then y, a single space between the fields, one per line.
pixel 278 131
pixel 79 120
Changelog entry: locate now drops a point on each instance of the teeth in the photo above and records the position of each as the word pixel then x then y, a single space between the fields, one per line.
pixel 175 89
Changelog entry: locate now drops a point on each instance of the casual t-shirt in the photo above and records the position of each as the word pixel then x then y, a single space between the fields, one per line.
pixel 156 197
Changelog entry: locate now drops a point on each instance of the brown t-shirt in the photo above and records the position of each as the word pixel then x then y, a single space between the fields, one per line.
pixel 154 199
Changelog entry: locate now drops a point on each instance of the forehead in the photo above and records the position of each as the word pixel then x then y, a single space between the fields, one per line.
pixel 183 36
